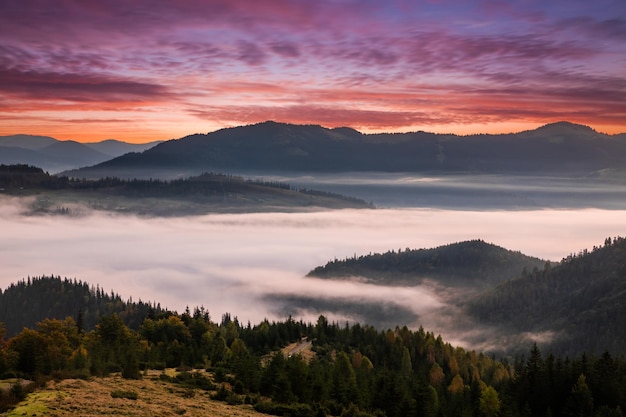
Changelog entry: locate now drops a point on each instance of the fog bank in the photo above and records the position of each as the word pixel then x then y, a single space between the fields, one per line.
pixel 244 263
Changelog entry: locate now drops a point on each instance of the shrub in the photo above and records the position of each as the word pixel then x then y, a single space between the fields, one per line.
pixel 221 394
pixel 194 380
pixel 131 395
pixel 294 410
pixel 11 397
pixel 227 396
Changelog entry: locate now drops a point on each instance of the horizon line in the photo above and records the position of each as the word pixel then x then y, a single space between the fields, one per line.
pixel 513 132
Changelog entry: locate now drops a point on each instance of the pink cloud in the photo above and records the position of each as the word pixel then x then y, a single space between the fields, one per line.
pixel 77 87
pixel 327 116
pixel 391 63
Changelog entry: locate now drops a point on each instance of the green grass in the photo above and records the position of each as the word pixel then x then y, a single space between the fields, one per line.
pixel 34 405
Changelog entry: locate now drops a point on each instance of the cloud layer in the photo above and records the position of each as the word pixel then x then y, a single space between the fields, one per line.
pixel 176 68
pixel 246 264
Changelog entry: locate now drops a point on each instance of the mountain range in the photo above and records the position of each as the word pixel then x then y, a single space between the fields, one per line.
pixel 561 147
pixel 54 155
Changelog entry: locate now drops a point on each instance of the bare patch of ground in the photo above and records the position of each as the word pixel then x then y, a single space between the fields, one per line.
pixel 302 348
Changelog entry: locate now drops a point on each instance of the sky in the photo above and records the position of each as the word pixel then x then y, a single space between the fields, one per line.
pixel 149 70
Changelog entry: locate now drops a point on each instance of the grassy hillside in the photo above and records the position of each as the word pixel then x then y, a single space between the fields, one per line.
pixel 105 396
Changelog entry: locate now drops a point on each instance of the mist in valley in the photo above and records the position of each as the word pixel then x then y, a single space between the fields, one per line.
pixel 254 265
pixel 469 191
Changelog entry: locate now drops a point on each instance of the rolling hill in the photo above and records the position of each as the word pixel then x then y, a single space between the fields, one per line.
pixel 472 264
pixel 560 147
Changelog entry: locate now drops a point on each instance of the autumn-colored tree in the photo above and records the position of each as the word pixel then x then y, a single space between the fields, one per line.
pixel 436 376
pixel 456 386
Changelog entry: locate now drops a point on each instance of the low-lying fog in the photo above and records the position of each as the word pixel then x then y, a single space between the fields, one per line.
pixel 246 264
pixel 603 189
pixel 469 191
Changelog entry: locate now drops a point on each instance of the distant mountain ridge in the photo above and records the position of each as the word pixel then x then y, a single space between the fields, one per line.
pixel 271 146
pixel 57 155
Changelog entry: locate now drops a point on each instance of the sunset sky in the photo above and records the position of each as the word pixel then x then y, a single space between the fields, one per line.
pixel 159 69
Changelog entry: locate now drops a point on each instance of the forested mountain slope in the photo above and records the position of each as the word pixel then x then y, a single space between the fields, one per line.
pixel 582 300
pixel 571 307
pixel 471 264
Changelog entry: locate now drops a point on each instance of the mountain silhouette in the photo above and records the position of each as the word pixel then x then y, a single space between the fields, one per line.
pixel 270 146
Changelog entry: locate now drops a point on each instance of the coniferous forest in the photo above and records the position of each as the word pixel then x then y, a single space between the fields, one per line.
pixel 343 370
